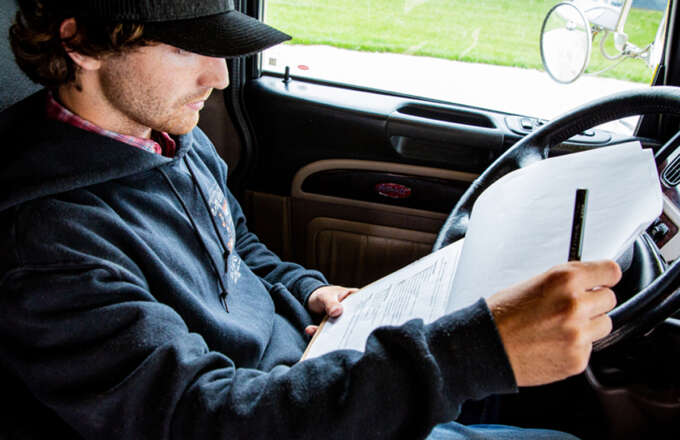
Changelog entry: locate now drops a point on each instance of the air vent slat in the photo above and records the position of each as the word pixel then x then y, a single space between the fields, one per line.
pixel 671 175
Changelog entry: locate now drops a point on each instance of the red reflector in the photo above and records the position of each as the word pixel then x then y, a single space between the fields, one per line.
pixel 393 190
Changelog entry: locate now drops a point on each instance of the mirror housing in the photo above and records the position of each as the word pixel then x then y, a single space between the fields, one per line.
pixel 566 42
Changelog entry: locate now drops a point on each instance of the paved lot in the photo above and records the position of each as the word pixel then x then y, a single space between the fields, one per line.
pixel 509 89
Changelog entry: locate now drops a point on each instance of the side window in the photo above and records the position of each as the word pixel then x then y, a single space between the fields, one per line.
pixel 482 53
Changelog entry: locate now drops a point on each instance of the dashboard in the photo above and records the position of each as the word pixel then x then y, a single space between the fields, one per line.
pixel 664 231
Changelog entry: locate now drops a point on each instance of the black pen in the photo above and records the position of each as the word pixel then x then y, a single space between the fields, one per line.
pixel 578 225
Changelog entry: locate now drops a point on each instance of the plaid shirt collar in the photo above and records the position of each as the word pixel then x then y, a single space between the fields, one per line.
pixel 164 145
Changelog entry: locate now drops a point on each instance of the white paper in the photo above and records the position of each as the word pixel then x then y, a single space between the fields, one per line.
pixel 419 290
pixel 521 225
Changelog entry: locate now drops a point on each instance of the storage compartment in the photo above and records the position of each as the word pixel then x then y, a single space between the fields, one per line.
pixel 416 192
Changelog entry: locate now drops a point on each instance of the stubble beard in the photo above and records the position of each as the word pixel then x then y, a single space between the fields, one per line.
pixel 145 104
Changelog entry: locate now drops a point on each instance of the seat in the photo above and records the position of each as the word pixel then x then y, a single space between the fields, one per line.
pixel 15 85
pixel 19 420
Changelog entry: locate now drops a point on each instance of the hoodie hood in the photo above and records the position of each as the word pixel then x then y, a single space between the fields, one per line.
pixel 60 157
pixel 169 226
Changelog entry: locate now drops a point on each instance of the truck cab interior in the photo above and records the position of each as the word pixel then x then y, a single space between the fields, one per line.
pixel 357 182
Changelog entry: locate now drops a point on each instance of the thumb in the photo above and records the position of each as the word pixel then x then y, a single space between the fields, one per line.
pixel 333 308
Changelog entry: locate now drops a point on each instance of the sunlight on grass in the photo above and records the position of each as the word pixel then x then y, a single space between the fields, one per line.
pixel 503 32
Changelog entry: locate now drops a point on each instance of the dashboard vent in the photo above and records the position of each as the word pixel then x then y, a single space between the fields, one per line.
pixel 671 175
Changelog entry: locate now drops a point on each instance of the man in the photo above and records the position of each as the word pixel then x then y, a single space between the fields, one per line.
pixel 136 304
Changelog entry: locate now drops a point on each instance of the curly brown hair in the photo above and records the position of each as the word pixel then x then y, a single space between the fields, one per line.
pixel 42 54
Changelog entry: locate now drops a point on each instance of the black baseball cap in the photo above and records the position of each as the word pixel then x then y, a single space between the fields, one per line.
pixel 207 27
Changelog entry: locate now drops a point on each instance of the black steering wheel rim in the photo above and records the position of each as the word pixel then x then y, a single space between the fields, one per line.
pixel 648 307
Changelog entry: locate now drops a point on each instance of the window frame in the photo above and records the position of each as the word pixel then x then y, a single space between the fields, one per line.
pixel 648 126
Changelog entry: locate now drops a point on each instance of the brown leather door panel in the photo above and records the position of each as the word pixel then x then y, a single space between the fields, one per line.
pixel 355 254
pixel 359 220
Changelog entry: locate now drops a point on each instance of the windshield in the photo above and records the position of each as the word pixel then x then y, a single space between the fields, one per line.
pixel 481 53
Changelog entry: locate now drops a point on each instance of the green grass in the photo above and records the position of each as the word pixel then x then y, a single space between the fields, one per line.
pixel 504 32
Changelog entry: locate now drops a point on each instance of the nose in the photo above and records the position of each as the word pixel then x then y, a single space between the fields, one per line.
pixel 214 73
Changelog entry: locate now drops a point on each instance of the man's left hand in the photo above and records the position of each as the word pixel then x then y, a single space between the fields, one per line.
pixel 326 300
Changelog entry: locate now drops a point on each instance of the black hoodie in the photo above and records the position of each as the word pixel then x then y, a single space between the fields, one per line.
pixel 134 303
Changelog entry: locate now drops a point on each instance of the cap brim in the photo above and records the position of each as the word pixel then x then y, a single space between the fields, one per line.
pixel 225 35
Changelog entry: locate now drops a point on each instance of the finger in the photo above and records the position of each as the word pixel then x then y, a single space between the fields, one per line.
pixel 311 329
pixel 333 308
pixel 599 301
pixel 600 327
pixel 347 293
pixel 599 273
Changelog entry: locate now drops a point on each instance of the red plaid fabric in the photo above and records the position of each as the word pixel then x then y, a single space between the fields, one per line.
pixel 166 147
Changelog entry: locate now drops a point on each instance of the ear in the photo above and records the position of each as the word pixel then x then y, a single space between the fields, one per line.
pixel 68 29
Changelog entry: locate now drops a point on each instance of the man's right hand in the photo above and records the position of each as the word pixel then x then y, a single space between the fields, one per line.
pixel 548 324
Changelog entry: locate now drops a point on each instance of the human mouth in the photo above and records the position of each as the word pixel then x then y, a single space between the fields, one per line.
pixel 197 102
pixel 196 106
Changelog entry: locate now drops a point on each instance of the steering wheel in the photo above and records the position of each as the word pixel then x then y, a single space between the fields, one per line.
pixel 640 310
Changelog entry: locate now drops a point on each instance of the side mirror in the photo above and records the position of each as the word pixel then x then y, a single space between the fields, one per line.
pixel 570 27
pixel 566 42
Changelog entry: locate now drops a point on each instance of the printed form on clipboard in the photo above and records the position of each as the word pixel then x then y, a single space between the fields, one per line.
pixel 519 227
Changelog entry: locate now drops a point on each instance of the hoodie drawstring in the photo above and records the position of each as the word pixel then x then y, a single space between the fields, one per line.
pixel 220 278
pixel 206 203
pixel 225 248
